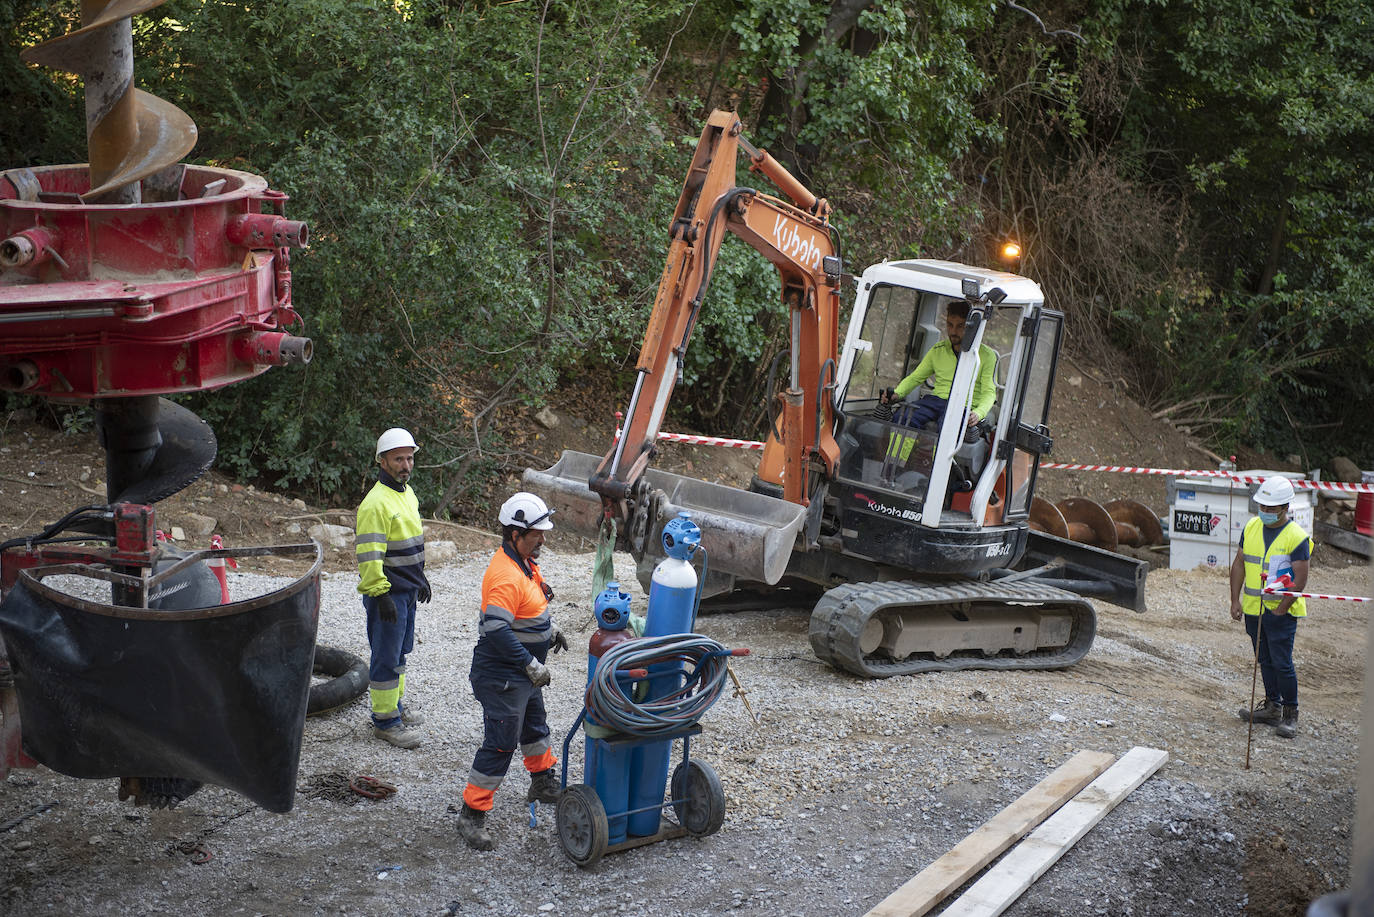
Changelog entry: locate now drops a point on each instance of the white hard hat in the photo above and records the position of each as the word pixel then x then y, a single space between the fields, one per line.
pixel 526 511
pixel 1275 491
pixel 395 438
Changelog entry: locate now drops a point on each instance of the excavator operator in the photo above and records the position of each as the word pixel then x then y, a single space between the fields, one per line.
pixel 940 362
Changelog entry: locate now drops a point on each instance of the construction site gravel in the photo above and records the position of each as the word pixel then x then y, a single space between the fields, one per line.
pixel 840 792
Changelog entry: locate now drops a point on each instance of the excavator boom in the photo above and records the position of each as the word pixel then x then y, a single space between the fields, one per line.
pixel 795 236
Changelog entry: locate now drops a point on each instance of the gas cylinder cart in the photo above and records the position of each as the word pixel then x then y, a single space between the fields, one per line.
pixel 643 694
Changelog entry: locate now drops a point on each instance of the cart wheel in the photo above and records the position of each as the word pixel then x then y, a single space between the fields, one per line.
pixel 701 809
pixel 581 821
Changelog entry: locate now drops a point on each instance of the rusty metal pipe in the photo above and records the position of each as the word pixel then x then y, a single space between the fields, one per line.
pixel 265 230
pixel 31 247
pixel 274 348
pixel 18 377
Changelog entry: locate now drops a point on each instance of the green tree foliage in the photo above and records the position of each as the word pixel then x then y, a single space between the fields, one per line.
pixel 489 184
pixel 475 177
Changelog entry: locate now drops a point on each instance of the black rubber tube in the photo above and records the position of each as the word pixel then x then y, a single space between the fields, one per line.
pixel 347 680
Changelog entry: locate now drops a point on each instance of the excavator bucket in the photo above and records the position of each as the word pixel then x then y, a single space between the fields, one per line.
pixel 746 535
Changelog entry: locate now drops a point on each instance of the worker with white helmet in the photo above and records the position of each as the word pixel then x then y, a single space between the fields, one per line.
pixel 391 569
pixel 1273 551
pixel 516 632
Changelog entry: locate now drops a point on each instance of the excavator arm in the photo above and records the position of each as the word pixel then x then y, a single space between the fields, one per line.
pixel 796 237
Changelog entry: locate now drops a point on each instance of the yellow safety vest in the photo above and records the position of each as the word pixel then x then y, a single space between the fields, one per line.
pixel 389 541
pixel 1263 565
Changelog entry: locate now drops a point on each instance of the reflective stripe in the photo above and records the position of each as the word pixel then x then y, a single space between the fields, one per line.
pixel 408 561
pixel 371 538
pixel 535 750
pixel 1251 558
pixel 371 555
pixel 525 636
pixel 492 626
pixel 496 611
pixel 1249 591
pixel 484 781
pixel 417 541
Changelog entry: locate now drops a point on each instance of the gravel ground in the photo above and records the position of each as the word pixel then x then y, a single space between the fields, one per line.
pixel 843 790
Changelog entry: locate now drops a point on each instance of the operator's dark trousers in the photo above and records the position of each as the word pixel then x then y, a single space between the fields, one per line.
pixel 1276 635
pixel 921 412
pixel 389 643
pixel 512 712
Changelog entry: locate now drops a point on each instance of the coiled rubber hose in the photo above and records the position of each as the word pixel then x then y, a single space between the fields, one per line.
pixel 610 700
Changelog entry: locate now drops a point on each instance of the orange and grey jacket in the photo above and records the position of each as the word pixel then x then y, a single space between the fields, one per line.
pixel 390 540
pixel 515 620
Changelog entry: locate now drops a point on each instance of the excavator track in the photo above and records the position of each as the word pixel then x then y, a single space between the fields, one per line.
pixel 877 630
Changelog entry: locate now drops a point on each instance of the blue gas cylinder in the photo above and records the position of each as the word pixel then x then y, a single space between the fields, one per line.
pixel 606 768
pixel 672 610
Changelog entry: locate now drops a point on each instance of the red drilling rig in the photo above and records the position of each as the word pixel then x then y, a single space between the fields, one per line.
pixel 123 280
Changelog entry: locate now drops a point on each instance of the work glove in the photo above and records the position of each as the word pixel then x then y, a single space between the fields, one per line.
pixel 557 642
pixel 386 608
pixel 537 673
pixel 424 595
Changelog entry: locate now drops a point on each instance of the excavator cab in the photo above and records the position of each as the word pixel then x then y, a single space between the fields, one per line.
pixel 899 479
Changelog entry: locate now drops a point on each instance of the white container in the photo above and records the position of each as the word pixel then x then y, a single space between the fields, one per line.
pixel 1207 517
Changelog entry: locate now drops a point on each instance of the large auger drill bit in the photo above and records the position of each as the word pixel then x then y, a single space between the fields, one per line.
pixel 130 134
pixel 122 280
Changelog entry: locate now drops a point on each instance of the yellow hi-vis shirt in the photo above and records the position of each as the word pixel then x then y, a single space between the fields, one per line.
pixel 390 541
pixel 1264 565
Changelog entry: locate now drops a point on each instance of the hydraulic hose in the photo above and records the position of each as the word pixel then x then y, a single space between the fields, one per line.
pixel 609 699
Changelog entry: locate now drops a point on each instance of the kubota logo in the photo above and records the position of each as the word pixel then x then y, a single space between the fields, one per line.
pixel 910 515
pixel 791 242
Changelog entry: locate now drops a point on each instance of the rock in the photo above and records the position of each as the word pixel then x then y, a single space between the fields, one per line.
pixel 335 536
pixel 199 525
pixel 298 503
pixel 1058 718
pixel 546 418
pixel 1343 469
pixel 178 533
pixel 439 552
pixel 294 528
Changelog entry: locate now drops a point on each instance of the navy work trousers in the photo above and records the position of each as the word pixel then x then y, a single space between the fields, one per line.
pixel 1276 635
pixel 389 642
pixel 512 716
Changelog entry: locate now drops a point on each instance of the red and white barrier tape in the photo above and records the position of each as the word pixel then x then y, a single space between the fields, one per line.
pixel 1318 595
pixel 1064 466
pixel 705 440
pixel 1196 473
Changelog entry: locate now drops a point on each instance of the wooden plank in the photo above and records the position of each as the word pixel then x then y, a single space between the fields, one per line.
pixel 1353 542
pixel 930 886
pixel 1004 883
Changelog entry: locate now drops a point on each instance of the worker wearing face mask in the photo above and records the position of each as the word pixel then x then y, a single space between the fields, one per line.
pixel 1274 550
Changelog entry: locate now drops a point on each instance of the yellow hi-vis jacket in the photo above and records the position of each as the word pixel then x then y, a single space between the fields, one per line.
pixel 390 541
pixel 1263 566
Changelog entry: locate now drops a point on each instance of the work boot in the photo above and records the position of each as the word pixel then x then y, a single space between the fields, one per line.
pixel 399 735
pixel 412 717
pixel 1288 726
pixel 472 826
pixel 544 786
pixel 1266 714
